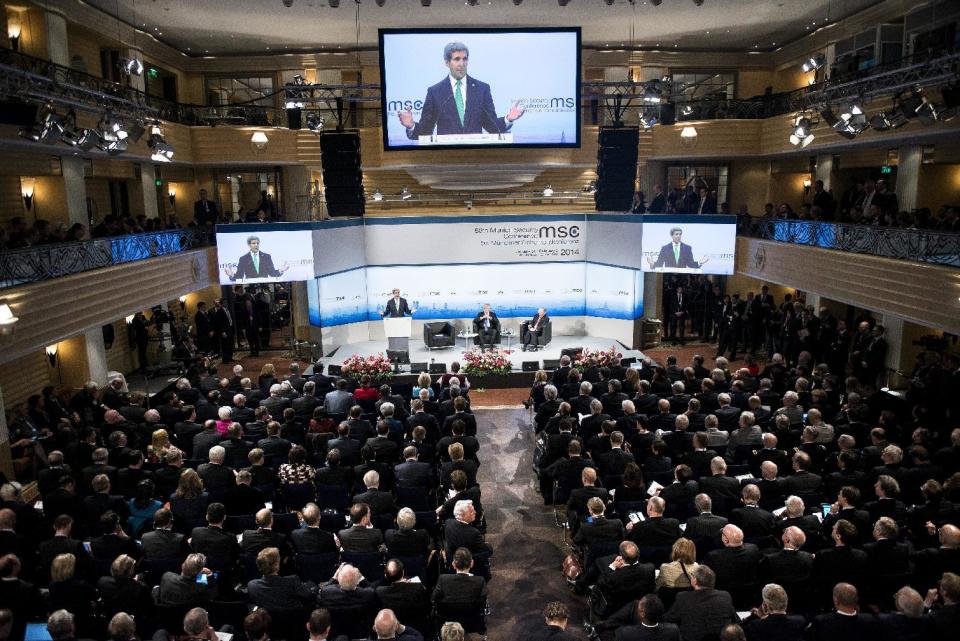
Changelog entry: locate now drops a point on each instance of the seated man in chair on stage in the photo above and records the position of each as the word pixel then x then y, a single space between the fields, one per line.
pixel 535 328
pixel 487 327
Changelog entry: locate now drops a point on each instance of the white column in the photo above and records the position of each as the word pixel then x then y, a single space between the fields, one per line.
pixel 295 193
pixel 76 189
pixel 893 334
pixel 908 176
pixel 57 48
pixel 825 170
pixel 148 176
pixel 96 355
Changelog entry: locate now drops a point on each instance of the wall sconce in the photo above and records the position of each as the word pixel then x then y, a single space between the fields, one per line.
pixel 806 186
pixel 7 319
pixel 259 140
pixel 14 27
pixel 183 303
pixel 129 319
pixel 52 354
pixel 688 136
pixel 27 186
pixel 171 193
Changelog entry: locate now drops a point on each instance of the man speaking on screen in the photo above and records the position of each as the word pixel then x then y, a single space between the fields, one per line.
pixel 676 254
pixel 458 104
pixel 255 264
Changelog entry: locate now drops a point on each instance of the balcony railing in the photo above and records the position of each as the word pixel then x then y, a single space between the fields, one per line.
pixel 43 262
pixel 918 245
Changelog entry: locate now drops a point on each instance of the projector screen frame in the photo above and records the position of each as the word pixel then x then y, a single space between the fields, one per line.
pixel 578 108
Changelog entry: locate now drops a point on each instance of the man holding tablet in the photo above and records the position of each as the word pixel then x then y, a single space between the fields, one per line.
pixel 458 104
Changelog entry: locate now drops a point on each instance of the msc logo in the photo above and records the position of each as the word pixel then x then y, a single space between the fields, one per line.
pixel 405 105
pixel 559 231
pixel 569 103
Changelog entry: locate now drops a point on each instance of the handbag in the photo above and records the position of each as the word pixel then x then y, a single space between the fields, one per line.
pixel 571 567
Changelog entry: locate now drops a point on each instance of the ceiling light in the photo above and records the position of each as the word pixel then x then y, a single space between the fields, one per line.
pixel 405 194
pixel 548 191
pixel 85 139
pixel 687 110
pixel 377 195
pixel 259 140
pixel 114 147
pixel 887 120
pixel 814 62
pixel 850 124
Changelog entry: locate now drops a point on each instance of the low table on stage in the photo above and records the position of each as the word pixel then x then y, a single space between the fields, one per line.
pixel 466 336
pixel 398 333
pixel 508 334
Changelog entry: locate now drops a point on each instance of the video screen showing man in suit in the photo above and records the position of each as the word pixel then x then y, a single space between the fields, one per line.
pixel 697 244
pixel 397 306
pixel 458 104
pixel 242 254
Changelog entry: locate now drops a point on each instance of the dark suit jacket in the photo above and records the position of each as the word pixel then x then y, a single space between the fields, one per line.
pixel 245 267
pixel 459 588
pixel 735 566
pixel 702 612
pixel 776 627
pixel 667 259
pixel 407 542
pixel 331 596
pixel 404 596
pixel 463 535
pixel 312 540
pixel 163 544
pixel 754 521
pixel 720 485
pixel 440 111
pixel 704 526
pixel 887 557
pixel 834 565
pixel 252 541
pixel 380 502
pixel 662 632
pixel 243 499
pixel 360 539
pixel 833 627
pixel 413 474
pixel 786 566
pixel 279 592
pixel 393 311
pixel 633 580
pixel 600 529
pixel 176 589
pixel 655 532
pixel 51 548
pixel 214 543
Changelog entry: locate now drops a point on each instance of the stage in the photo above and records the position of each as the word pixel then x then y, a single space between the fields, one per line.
pixel 420 354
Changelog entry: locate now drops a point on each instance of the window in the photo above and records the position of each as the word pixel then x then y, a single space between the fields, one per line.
pixel 223 90
pixel 712 177
pixel 699 85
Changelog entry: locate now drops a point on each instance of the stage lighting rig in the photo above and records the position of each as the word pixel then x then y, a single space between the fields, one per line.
pixel 802 134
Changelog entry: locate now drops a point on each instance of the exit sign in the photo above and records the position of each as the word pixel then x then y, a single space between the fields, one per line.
pixel 886 169
pixel 158 182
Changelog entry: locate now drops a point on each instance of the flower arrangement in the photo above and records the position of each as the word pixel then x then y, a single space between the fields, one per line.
pixel 479 363
pixel 377 366
pixel 604 358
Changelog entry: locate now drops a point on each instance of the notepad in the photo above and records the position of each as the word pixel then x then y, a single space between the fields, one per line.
pixel 653 488
pixel 780 510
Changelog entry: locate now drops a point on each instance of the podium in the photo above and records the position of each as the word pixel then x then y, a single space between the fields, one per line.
pixel 398 333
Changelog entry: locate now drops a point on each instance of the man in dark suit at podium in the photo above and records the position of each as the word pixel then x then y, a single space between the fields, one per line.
pixel 458 104
pixel 676 254
pixel 256 264
pixel 397 307
pixel 487 326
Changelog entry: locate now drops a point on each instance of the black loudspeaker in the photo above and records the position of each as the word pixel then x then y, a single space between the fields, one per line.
pixel 572 352
pixel 401 356
pixel 668 113
pixel 616 168
pixel 334 370
pixel 342 175
pixel 438 368
pixel 627 362
pixel 549 363
pixel 294 118
pixel 530 366
pixel 417 368
pixel 17 113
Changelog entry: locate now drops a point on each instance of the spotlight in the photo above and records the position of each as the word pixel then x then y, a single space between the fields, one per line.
pixel 377 195
pixel 885 120
pixel 405 194
pixel 686 110
pixel 849 124
pixel 259 140
pixel 137 129
pixel 651 95
pixel 162 150
pixel 85 139
pixel 315 122
pixel 590 188
pixel 131 66
pixel 114 147
pixel 801 135
pixel 548 191
pixel 814 62
pixel 910 105
pixel 112 127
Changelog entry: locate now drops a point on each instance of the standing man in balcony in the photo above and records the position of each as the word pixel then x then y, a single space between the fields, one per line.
pixel 205 211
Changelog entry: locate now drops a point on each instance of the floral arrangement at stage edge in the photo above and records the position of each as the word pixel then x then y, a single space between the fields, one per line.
pixel 377 366
pixel 479 363
pixel 604 358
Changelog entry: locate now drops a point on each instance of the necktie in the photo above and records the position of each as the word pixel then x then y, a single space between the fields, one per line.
pixel 256 263
pixel 486 322
pixel 458 98
pixel 676 253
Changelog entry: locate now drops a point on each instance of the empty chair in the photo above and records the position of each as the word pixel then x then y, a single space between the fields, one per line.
pixel 439 335
pixel 318 568
pixel 370 564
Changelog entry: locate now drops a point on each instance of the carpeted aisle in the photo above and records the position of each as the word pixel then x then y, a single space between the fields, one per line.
pixel 526 542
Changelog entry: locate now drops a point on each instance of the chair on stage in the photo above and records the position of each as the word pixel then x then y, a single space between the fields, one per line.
pixel 439 335
pixel 544 336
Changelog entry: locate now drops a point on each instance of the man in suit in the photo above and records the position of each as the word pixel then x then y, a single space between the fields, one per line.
pixel 462 587
pixel 406 540
pixel 658 204
pixel 846 622
pixel 243 498
pixel 842 562
pixel 212 540
pixel 736 563
pixel 771 622
pixel 487 327
pixel 676 254
pixel 656 530
pixel 344 591
pixel 577 503
pixel 223 328
pixel 458 104
pixel 114 541
pixel 205 210
pixel 789 564
pixel 885 554
pixel 459 532
pixel 216 476
pixel 252 541
pixel 361 536
pixel 412 473
pixel 718 484
pixel 621 577
pixel 707 203
pixel 535 328
pixel 380 502
pixel 273 592
pixel 676 310
pixel 381 447
pixel 649 624
pixel 706 525
pixel 597 527
pixel 63 543
pixel 400 594
pixel 183 588
pixel 311 539
pixel 757 524
pixel 397 307
pixel 459 483
pixel 704 611
pixel 255 263
pixel 163 542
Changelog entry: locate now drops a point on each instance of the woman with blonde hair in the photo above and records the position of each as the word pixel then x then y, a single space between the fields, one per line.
pixel 268 376
pixel 423 382
pixel 631 382
pixel 67 592
pixel 683 562
pixel 536 391
pixel 159 444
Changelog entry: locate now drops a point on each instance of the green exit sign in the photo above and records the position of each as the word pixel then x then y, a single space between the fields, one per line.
pixel 153 73
pixel 886 169
pixel 158 182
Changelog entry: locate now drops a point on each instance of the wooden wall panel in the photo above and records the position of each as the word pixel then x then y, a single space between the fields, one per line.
pixel 226 145
pixel 924 294
pixel 717 138
pixel 58 309
pixel 24 376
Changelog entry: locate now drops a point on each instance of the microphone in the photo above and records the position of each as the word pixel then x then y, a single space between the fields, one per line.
pixel 496 121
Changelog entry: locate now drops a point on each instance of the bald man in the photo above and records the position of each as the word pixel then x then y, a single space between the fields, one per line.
pixel 846 622
pixel 386 626
pixel 577 505
pixel 735 564
pixel 791 563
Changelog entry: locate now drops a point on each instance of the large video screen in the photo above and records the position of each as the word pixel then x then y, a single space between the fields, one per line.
pixel 689 244
pixel 480 87
pixel 255 254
